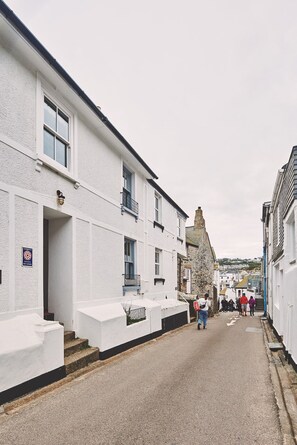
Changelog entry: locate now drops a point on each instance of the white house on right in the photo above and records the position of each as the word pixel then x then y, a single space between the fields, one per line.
pixel 280 257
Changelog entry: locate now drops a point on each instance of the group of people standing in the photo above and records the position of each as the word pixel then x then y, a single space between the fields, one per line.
pixel 242 304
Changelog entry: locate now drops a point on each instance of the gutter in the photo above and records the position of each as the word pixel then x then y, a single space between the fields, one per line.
pixel 42 51
pixel 167 197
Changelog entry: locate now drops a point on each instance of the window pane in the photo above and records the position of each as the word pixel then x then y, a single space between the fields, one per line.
pixel 49 114
pixel 157 269
pixel 127 179
pixel 61 153
pixel 49 144
pixel 63 125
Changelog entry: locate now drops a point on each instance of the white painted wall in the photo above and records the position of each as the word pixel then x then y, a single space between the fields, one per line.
pixel 86 234
pixel 32 348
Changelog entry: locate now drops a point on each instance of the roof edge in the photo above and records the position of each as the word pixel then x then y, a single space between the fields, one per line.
pixel 167 197
pixel 44 53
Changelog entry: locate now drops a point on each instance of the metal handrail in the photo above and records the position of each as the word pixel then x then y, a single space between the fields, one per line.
pixel 131 280
pixel 128 202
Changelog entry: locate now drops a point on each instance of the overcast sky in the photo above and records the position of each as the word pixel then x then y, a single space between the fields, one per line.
pixel 205 92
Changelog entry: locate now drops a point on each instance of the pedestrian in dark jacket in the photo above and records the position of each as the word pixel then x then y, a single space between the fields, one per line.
pixel 252 304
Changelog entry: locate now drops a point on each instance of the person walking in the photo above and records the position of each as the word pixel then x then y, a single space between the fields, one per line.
pixel 252 304
pixel 244 301
pixel 204 304
pixel 196 309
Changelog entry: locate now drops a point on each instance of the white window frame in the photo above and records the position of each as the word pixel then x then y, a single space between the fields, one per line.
pixel 291 238
pixel 45 90
pixel 56 134
pixel 129 259
pixel 158 262
pixel 179 226
pixel 158 208
pixel 277 225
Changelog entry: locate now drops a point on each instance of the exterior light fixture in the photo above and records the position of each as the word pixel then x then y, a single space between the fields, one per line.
pixel 61 197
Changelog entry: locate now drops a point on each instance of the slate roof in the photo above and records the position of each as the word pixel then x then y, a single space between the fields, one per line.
pixel 243 283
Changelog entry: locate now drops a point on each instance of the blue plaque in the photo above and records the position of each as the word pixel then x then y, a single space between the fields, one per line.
pixel 27 256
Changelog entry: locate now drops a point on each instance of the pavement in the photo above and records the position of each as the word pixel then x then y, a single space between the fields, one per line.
pixel 284 380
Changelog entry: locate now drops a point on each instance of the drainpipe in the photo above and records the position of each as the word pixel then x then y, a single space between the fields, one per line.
pixel 265 282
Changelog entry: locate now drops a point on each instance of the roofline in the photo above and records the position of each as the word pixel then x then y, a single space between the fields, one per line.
pixel 29 37
pixel 167 197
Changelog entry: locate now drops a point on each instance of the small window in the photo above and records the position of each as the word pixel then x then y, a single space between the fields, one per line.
pixel 158 262
pixel 56 133
pixel 291 232
pixel 277 226
pixel 179 227
pixel 157 208
pixel 129 258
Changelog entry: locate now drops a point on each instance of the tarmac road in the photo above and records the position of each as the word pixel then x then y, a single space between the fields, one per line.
pixel 207 387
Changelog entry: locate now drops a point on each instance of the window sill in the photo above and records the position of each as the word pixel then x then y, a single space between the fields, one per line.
pixel 159 280
pixel 156 224
pixel 127 210
pixel 131 289
pixel 180 239
pixel 43 161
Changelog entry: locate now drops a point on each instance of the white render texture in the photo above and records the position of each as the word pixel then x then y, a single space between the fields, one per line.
pixel 105 326
pixel 31 347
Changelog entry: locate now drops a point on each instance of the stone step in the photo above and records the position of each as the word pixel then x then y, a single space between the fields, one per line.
pixel 259 304
pixel 80 359
pixel 69 335
pixel 75 345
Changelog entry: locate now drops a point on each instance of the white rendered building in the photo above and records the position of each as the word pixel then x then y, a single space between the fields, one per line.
pixel 85 231
pixel 280 256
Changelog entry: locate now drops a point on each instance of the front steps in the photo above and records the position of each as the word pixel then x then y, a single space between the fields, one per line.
pixel 77 352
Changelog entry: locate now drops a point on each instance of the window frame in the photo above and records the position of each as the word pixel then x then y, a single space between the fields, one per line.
pixel 291 238
pixel 129 259
pixel 157 208
pixel 55 133
pixel 158 262
pixel 44 89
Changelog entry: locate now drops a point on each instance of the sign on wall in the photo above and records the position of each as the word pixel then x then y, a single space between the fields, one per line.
pixel 27 256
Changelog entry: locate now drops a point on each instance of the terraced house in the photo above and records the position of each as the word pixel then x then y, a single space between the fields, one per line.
pixel 280 255
pixel 89 240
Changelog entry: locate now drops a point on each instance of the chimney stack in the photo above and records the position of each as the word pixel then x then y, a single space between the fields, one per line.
pixel 199 222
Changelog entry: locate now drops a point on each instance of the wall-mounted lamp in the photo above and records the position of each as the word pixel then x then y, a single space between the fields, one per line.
pixel 61 197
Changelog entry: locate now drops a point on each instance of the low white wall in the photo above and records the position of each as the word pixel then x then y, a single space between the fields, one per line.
pixel 172 307
pixel 105 325
pixel 30 347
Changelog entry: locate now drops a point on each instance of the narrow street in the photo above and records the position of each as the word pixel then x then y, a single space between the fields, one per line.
pixel 208 387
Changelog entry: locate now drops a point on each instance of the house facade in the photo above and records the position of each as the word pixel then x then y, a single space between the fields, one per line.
pixel 86 233
pixel 280 251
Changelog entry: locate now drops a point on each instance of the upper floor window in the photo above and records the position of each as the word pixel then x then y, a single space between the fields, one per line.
pixel 291 238
pixel 128 183
pixel 178 226
pixel 158 262
pixel 157 208
pixel 56 132
pixel 277 226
